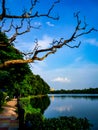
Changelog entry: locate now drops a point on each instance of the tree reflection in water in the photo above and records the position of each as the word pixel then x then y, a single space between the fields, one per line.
pixel 40 102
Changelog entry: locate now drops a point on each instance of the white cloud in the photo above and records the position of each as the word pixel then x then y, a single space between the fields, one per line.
pixel 83 76
pixel 38 67
pixel 61 79
pixel 78 59
pixel 92 41
pixel 77 77
pixel 50 24
pixel 44 42
pixel 37 24
pixel 24 46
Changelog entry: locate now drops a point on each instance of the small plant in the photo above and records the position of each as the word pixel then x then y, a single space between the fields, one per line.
pixel 2 98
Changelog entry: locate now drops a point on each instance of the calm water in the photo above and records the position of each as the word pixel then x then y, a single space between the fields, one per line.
pixel 79 105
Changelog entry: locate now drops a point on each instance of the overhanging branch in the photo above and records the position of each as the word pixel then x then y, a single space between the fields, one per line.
pixel 79 31
pixel 28 14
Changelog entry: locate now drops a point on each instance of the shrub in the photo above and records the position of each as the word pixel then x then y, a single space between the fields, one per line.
pixel 35 121
pixel 24 102
pixel 32 116
pixel 66 123
pixel 2 98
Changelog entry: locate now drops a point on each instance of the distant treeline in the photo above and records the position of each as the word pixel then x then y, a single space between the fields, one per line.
pixel 76 91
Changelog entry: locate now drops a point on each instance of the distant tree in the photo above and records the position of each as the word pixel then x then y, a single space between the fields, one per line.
pixel 76 91
pixel 26 16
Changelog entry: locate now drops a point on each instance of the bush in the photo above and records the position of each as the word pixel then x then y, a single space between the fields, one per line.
pixel 66 123
pixel 34 121
pixel 2 98
pixel 32 116
pixel 24 102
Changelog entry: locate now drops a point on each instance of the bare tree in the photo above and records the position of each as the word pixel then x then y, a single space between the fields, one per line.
pixel 27 16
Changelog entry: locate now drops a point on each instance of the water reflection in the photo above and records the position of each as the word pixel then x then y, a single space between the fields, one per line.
pixel 78 105
pixel 42 103
pixel 63 108
pixel 85 96
pixel 52 97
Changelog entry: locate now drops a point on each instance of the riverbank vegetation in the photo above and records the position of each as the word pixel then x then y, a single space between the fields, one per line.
pixel 76 91
pixel 18 80
pixel 33 117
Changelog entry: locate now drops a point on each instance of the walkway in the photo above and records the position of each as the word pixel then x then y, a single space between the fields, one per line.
pixel 8 117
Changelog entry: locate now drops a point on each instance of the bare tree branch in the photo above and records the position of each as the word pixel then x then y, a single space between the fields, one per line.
pixel 25 15
pixel 10 27
pixel 79 31
pixel 33 4
pixel 3 10
pixel 19 27
pixel 2 25
pixel 28 14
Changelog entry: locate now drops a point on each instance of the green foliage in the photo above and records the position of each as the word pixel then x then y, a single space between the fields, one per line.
pixel 35 119
pixel 29 109
pixel 40 102
pixel 19 78
pixel 66 123
pixel 2 98
pixel 34 85
pixel 35 102
pixel 3 38
pixel 32 116
pixel 7 52
pixel 13 76
pixel 76 91
pixel 24 101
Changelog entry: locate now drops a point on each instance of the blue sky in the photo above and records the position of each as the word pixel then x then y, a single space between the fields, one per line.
pixel 68 68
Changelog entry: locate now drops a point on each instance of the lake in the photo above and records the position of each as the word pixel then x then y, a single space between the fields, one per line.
pixel 78 105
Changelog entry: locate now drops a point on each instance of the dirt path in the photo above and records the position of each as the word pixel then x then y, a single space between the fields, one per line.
pixel 9 110
pixel 8 117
